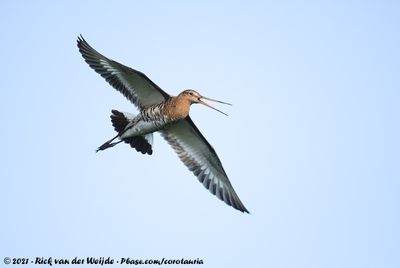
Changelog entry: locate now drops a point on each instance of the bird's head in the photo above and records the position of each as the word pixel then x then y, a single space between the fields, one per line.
pixel 194 97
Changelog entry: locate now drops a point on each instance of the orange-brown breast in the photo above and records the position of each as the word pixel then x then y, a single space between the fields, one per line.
pixel 177 108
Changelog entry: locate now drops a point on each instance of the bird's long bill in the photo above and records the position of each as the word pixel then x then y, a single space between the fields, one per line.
pixel 206 104
pixel 215 100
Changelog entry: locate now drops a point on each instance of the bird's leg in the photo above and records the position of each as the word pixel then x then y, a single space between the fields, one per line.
pixel 108 144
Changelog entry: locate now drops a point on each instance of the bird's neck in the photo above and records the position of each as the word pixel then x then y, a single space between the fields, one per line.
pixel 178 108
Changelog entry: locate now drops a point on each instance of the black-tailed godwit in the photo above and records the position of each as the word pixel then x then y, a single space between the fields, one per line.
pixel 164 113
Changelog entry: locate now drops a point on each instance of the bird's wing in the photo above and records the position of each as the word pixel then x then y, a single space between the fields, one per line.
pixel 134 85
pixel 200 157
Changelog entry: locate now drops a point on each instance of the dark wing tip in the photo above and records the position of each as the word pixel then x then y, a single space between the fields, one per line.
pixel 235 202
pixel 231 199
pixel 80 40
pixel 89 54
pixel 243 209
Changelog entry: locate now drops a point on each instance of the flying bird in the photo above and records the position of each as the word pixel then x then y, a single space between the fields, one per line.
pixel 166 114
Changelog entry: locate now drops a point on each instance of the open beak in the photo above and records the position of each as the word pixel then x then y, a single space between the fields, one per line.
pixel 202 102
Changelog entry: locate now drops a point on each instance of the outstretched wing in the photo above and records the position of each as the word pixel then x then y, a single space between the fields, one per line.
pixel 134 85
pixel 200 157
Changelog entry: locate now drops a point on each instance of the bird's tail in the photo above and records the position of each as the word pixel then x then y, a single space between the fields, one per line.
pixel 120 120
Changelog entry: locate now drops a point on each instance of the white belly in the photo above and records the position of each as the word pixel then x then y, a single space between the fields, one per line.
pixel 139 127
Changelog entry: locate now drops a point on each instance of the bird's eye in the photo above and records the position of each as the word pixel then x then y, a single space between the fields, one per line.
pixel 191 93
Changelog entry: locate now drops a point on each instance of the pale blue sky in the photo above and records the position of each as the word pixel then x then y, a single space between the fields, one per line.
pixel 311 144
